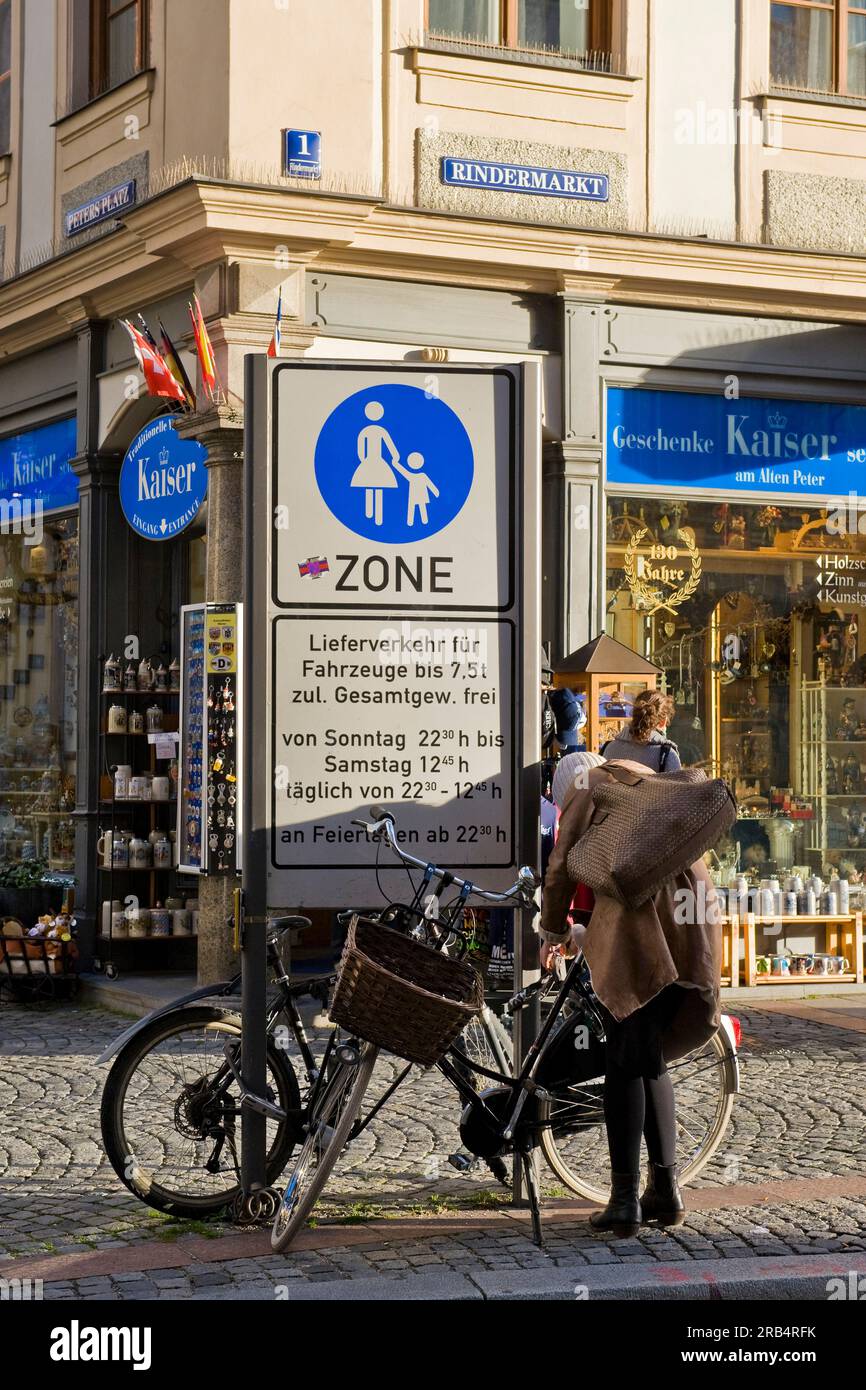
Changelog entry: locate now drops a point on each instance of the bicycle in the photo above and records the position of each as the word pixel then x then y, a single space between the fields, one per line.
pixel 545 1105
pixel 171 1106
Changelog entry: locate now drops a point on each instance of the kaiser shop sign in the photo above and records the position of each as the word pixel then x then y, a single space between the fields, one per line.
pixel 688 439
pixel 163 481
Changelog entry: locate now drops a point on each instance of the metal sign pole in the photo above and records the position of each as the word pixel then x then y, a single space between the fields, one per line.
pixel 252 908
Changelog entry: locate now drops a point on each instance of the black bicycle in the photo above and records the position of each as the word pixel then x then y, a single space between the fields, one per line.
pixel 171 1104
pixel 554 1101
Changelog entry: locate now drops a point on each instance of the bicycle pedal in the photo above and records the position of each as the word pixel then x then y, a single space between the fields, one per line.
pixel 464 1162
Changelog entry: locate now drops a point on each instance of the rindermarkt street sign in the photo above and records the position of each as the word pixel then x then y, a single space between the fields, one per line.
pixel 394 616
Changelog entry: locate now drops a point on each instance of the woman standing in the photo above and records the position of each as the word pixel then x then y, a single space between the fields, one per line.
pixel 655 972
pixel 644 739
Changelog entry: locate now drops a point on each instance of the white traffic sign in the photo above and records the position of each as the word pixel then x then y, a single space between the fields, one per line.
pixel 394 598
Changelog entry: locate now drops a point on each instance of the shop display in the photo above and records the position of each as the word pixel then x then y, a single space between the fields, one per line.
pixel 137 838
pixel 769 680
pixel 209 813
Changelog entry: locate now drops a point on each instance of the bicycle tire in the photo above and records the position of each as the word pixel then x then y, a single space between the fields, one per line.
pixel 117 1146
pixel 292 1214
pixel 594 1191
pixel 487 1042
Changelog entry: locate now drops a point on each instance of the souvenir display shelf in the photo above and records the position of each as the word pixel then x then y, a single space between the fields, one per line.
pixel 843 936
pixel 833 768
pixel 151 885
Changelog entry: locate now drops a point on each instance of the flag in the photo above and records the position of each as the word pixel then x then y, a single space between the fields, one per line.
pixel 175 365
pixel 146 333
pixel 204 349
pixel 274 348
pixel 157 377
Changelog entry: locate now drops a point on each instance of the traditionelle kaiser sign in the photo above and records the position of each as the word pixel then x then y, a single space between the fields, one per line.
pixel 389 610
pixel 163 481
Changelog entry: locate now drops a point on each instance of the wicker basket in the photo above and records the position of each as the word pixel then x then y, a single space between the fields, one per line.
pixel 402 995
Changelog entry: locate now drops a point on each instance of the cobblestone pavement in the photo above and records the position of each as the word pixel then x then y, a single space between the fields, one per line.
pixel 801 1114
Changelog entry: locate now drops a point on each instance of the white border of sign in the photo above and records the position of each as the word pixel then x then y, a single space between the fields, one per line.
pixel 295 890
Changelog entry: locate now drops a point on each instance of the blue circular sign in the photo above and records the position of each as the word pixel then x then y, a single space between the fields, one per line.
pixel 394 463
pixel 163 481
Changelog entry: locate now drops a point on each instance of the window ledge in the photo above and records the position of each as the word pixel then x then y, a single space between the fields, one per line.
pixel 525 57
pixel 145 79
pixel 810 98
pixel 5 165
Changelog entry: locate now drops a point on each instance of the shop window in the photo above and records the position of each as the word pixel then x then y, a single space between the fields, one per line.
pixel 5 72
pixel 38 695
pixel 754 613
pixel 569 27
pixel 819 46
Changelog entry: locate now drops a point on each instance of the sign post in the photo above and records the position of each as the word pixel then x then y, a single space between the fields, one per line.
pixel 392 612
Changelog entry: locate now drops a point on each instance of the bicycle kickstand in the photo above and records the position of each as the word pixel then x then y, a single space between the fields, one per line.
pixel 530 1178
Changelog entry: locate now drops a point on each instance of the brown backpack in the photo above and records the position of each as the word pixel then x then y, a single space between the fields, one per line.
pixel 648 827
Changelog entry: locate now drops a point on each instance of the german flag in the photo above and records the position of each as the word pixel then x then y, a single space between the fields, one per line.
pixel 173 361
pixel 204 349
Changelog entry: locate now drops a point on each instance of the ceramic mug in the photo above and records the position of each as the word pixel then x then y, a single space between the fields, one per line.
pixel 801 965
pixel 117 719
pixel 160 922
pixel 181 922
pixel 103 848
pixel 119 924
pixel 820 966
pixel 161 788
pixel 136 722
pixel 763 965
pixel 122 777
pixel 108 908
pixel 139 921
pixel 781 965
pixel 838 965
pixel 162 853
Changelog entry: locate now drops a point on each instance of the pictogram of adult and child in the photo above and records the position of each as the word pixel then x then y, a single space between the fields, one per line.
pixel 375 473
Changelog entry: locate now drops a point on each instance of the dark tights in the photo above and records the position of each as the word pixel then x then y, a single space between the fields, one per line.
pixel 635 1105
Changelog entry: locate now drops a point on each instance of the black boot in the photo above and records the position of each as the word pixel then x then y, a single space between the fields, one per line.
pixel 622 1214
pixel 662 1200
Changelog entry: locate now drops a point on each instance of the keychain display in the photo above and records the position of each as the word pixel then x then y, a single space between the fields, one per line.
pixel 210 740
pixel 190 806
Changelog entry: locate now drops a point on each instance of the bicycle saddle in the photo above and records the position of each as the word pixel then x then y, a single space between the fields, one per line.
pixel 282 924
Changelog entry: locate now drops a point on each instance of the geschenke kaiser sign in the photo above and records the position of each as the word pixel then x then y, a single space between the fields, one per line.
pixel 394 601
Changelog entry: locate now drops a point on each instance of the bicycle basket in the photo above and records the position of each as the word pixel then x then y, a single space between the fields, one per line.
pixel 402 995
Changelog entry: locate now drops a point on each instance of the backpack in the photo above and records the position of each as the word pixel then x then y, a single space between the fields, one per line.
pixel 665 746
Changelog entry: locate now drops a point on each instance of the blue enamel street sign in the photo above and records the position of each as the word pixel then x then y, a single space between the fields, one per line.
pixel 524 178
pixel 34 467
pixel 688 439
pixel 302 154
pixel 100 208
pixel 163 481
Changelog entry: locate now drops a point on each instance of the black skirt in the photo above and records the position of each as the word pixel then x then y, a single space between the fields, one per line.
pixel 634 1045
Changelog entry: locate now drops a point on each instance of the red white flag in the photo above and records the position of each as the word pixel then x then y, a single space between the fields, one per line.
pixel 274 347
pixel 157 377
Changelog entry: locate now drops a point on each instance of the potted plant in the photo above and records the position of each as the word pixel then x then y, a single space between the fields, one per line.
pixel 23 893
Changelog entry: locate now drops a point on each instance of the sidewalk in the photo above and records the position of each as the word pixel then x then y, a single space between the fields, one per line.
pixel 779 1211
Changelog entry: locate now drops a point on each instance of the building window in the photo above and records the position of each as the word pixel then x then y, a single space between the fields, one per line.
pixel 118 42
pixel 571 27
pixel 819 46
pixel 5 71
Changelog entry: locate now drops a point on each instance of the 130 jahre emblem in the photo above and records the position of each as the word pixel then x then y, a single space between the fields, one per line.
pixel 649 576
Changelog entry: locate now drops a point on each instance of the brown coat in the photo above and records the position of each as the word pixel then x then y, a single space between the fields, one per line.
pixel 634 953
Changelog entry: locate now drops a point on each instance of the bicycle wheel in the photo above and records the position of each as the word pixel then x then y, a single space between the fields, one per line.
pixel 171 1130
pixel 574 1139
pixel 328 1130
pixel 486 1042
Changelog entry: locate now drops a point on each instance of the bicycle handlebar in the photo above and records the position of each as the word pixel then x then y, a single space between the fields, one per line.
pixel 521 891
